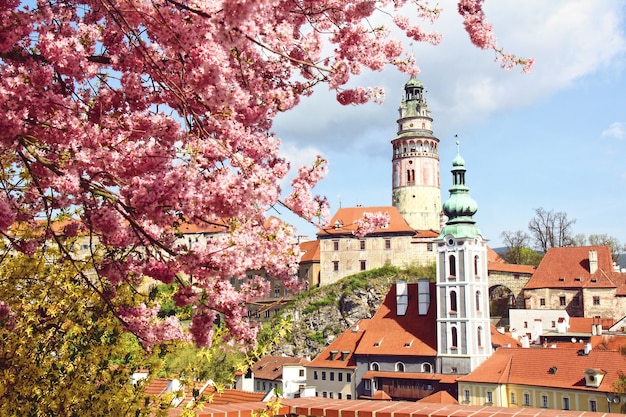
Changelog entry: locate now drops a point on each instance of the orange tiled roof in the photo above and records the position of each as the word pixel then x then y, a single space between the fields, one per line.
pixel 345 221
pixel 608 342
pixel 492 256
pixel 532 367
pixel 424 376
pixel 345 342
pixel 583 324
pixel 569 268
pixel 271 367
pixel 513 268
pixel 408 335
pixel 439 397
pixel 234 396
pixel 311 250
pixel 499 339
pixel 325 407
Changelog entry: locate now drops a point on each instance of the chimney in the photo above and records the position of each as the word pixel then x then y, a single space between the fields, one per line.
pixel 587 348
pixel 402 297
pixel 593 261
pixel 423 296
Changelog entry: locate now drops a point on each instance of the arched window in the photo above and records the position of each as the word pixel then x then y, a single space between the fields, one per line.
pixel 375 366
pixel 454 338
pixel 452 260
pixel 479 335
pixel 477 300
pixel 453 301
pixel 399 367
pixel 426 367
pixel 476 262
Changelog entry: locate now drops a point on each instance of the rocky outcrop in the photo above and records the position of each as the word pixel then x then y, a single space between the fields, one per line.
pixel 321 314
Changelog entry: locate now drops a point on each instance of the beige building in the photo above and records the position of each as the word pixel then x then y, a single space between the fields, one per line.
pixel 581 280
pixel 342 253
pixel 559 379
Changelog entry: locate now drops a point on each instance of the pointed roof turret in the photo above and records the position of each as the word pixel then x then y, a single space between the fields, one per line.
pixel 460 207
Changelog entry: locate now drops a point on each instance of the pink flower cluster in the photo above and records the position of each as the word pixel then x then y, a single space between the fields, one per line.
pixel 143 118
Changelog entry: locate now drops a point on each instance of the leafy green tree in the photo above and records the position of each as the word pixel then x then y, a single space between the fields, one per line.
pixel 518 249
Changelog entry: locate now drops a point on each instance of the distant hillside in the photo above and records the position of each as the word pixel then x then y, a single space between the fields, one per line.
pixel 319 315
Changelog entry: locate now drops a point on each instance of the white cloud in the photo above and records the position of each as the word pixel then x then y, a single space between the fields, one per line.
pixel 569 39
pixel 297 157
pixel 615 130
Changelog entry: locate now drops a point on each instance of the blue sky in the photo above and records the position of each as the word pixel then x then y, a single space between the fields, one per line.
pixel 554 138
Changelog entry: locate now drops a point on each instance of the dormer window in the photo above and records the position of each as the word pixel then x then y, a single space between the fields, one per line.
pixel 593 377
pixel 333 354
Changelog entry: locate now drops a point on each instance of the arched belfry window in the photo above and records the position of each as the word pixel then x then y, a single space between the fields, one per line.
pixel 479 335
pixel 478 300
pixel 454 338
pixel 452 260
pixel 453 301
pixel 476 263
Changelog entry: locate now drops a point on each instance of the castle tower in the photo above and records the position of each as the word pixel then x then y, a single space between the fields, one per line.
pixel 415 163
pixel 463 325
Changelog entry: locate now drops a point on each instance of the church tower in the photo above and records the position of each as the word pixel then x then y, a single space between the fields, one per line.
pixel 463 325
pixel 415 164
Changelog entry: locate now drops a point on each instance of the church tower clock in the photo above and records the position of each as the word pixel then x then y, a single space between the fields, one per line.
pixel 415 164
pixel 463 325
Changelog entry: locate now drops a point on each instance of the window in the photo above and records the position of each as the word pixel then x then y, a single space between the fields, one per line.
pixel 544 401
pixel 375 366
pixel 330 394
pixel 477 300
pixel 562 300
pixel 466 395
pixel 264 386
pixel 489 397
pixel 315 375
pixel 387 244
pixel 542 301
pixel 324 394
pixel 479 335
pixel 596 300
pixel 565 403
pixel 476 259
pixel 452 260
pixel 455 338
pixel 512 398
pixel 453 301
pixel 348 396
pixel 399 367
pixel 332 376
pixel 362 244
pixel 339 376
pixel 593 405
pixel 553 324
pixel 525 325
pixel 429 247
pixel 338 395
pixel 258 385
pixel 301 372
pixel 426 367
pixel 368 384
pixel 363 266
pixel 323 375
pixel 267 314
pixel 526 398
pixel 335 266
pixel 335 245
pixel 348 377
pixel 276 292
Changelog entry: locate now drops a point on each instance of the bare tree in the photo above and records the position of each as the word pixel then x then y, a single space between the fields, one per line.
pixel 551 230
pixel 606 240
pixel 515 243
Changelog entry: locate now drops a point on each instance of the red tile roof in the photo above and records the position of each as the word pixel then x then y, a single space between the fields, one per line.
pixel 439 397
pixel 271 367
pixel 569 268
pixel 513 268
pixel 532 367
pixel 502 339
pixel 608 342
pixel 325 407
pixel 583 324
pixel 408 335
pixel 345 221
pixel 233 396
pixel 345 342
pixel 310 251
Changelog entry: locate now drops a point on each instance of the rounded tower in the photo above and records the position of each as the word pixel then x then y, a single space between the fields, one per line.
pixel 415 164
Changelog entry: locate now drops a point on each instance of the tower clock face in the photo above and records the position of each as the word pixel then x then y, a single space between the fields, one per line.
pixel 449 241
